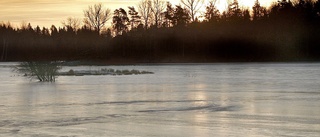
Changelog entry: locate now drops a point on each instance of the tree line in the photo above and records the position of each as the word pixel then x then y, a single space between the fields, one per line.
pixel 158 31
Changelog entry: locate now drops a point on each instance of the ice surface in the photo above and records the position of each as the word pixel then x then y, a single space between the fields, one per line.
pixel 179 100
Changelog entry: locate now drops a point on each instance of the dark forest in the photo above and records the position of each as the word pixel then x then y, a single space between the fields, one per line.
pixel 286 31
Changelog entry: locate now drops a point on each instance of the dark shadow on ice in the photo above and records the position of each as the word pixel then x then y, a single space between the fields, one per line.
pixel 210 108
pixel 124 102
pixel 144 101
pixel 60 121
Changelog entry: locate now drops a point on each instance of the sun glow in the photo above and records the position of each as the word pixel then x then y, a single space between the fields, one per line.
pixel 222 5
pixel 246 3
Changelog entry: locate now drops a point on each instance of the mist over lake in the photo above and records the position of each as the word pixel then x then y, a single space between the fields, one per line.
pixel 178 100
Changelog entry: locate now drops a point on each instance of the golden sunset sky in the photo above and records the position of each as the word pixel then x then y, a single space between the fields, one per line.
pixel 48 12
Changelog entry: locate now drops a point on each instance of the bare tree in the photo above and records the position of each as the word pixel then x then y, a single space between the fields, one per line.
pixel 158 7
pixel 43 71
pixel 96 16
pixel 193 6
pixel 71 22
pixel 145 10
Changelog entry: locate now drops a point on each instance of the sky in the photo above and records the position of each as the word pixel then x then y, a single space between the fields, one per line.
pixel 53 12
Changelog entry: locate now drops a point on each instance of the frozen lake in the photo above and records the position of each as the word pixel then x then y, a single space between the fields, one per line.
pixel 179 100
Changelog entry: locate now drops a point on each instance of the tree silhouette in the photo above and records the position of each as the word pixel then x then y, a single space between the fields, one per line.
pixel 258 11
pixel 246 15
pixel 135 18
pixel 37 30
pixel 176 16
pixel 45 31
pixel 54 31
pixel 169 14
pixel 234 12
pixel 282 10
pixel 181 16
pixel 120 21
pixel 212 13
pixel 96 16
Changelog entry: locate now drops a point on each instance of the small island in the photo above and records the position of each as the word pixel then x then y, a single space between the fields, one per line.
pixel 47 71
pixel 104 71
